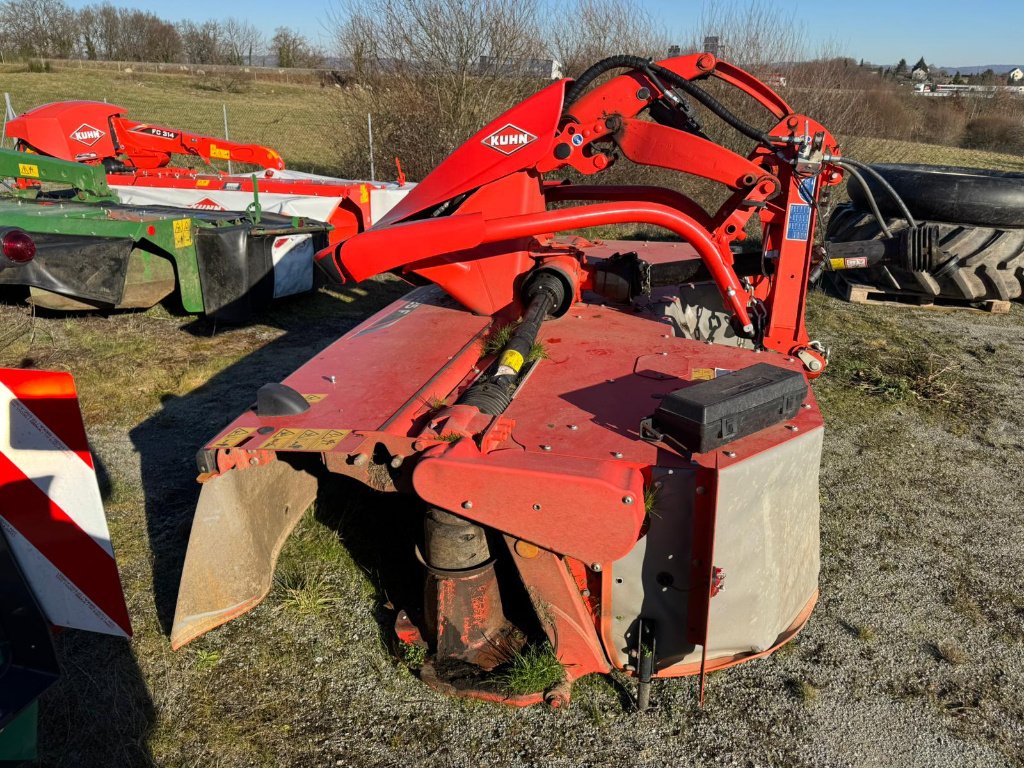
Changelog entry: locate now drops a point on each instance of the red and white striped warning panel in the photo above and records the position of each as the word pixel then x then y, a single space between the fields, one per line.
pixel 50 507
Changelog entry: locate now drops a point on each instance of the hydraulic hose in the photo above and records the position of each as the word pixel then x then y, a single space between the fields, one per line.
pixel 652 69
pixel 872 203
pixel 713 104
pixel 884 184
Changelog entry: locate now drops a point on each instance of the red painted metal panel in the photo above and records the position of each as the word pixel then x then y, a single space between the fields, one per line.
pixel 374 370
pixel 590 510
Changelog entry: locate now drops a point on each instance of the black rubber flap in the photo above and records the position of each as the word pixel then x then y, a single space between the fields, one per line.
pixel 28 665
pixel 712 413
pixel 235 269
pixel 88 268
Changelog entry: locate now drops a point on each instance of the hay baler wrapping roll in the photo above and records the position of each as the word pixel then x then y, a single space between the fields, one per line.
pixel 587 468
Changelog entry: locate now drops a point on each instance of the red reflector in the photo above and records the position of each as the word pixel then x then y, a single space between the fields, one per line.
pixel 18 246
pixel 151 230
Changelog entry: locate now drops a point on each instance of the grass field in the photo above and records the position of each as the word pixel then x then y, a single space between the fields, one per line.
pixel 914 656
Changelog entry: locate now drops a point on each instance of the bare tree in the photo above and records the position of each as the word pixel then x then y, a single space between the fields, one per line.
pixel 757 35
pixel 88 30
pixel 39 28
pixel 293 49
pixel 590 30
pixel 108 31
pixel 147 37
pixel 240 41
pixel 446 67
pixel 201 42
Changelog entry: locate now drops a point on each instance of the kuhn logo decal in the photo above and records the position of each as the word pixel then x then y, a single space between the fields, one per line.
pixel 86 134
pixel 509 139
pixel 206 204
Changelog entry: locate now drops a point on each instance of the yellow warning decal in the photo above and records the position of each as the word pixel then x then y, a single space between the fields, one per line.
pixel 28 169
pixel 837 263
pixel 183 233
pixel 234 437
pixel 314 398
pixel 702 374
pixel 202 182
pixel 219 154
pixel 364 194
pixel 512 359
pixel 305 439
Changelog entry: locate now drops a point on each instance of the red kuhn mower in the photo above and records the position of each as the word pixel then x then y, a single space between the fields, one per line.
pixel 137 159
pixel 613 450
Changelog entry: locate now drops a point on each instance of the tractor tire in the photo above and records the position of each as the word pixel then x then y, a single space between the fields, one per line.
pixel 991 266
pixel 944 193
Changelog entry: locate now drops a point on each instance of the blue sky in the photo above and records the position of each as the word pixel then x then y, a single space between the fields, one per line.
pixel 946 33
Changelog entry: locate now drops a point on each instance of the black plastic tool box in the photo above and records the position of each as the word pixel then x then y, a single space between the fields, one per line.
pixel 707 415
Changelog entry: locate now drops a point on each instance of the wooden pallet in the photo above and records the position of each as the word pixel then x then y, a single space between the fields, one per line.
pixel 861 293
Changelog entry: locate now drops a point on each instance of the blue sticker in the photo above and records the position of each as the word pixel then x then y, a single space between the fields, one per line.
pixel 577 139
pixel 799 225
pixel 807 188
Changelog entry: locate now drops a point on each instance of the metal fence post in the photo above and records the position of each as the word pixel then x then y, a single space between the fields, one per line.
pixel 9 114
pixel 369 128
pixel 227 136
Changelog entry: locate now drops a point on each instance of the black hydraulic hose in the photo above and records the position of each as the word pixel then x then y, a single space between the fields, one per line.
pixel 713 104
pixel 594 71
pixel 872 203
pixel 849 164
pixel 646 65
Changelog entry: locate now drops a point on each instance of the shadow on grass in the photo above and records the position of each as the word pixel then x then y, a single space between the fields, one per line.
pixel 168 441
pixel 100 712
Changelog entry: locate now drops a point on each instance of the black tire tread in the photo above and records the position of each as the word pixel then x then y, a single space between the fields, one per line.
pixel 992 259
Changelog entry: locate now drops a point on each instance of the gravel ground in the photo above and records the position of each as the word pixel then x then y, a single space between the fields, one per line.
pixel 913 657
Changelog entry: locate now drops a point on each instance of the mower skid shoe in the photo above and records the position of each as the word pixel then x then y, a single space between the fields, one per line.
pixel 242 520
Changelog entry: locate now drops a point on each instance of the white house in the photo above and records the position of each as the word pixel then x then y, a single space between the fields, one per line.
pixel 1015 75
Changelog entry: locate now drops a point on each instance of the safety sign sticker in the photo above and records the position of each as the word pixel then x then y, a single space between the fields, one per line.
pixel 798 225
pixel 234 437
pixel 183 233
pixel 286 439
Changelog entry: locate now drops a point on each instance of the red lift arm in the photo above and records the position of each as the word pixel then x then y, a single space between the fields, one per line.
pixel 490 195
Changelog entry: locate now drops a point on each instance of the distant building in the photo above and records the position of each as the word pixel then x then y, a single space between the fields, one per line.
pixel 919 73
pixel 1015 75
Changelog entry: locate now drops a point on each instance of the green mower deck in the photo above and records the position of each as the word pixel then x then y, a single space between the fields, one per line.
pixel 95 253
